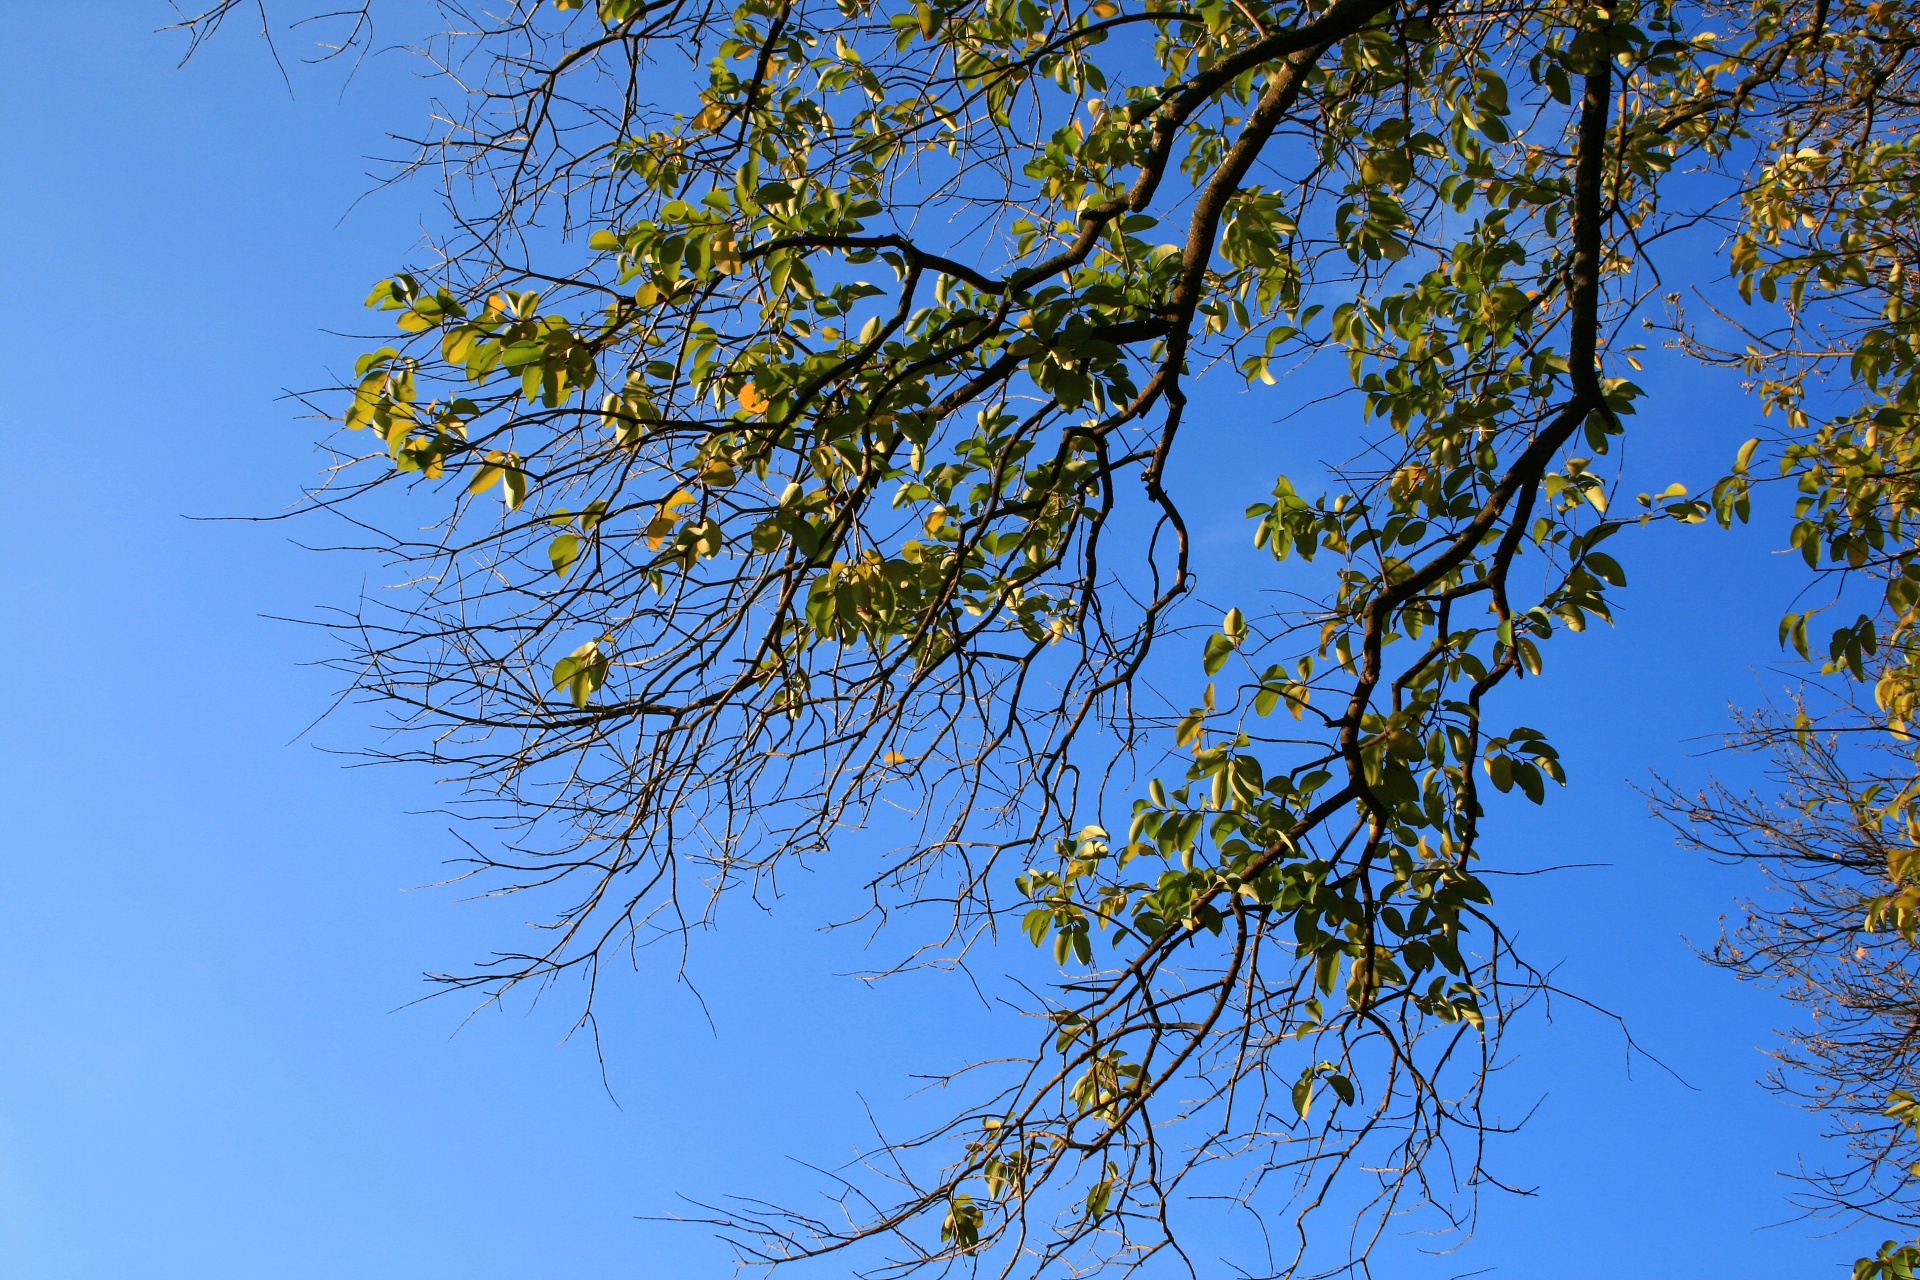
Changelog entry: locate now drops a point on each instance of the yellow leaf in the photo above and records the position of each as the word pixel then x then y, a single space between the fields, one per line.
pixel 646 295
pixel 1188 730
pixel 751 400
pixel 1105 8
pixel 362 410
pixel 893 757
pixel 713 117
pixel 703 539
pixel 397 433
pixel 489 473
pixel 660 528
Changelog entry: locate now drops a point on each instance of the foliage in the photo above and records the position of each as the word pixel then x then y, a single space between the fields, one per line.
pixel 1835 857
pixel 831 360
pixel 1824 262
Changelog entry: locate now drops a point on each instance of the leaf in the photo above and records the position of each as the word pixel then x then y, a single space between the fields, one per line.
pixel 514 491
pixel 1606 568
pixel 1529 779
pixel 581 672
pixel 962 1225
pixel 490 472
pixel 1326 967
pixel 1297 695
pixel 701 539
pixel 1035 924
pixel 1190 725
pixel 1218 650
pixel 661 527
pixel 563 551
pixel 751 400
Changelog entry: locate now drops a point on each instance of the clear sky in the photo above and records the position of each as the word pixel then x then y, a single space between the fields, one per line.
pixel 206 931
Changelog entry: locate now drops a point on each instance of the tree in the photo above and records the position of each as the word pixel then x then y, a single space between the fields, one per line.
pixel 832 469
pixel 1837 863
pixel 1824 266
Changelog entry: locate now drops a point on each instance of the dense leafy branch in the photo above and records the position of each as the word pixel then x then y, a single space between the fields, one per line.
pixel 781 542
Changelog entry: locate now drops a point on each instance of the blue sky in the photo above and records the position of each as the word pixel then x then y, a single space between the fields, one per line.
pixel 209 929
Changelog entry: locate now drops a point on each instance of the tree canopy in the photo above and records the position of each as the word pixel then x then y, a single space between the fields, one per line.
pixel 782 428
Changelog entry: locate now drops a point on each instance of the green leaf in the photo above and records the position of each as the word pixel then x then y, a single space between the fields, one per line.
pixel 489 472
pixel 563 551
pixel 1219 649
pixel 1327 967
pixel 1035 923
pixel 581 672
